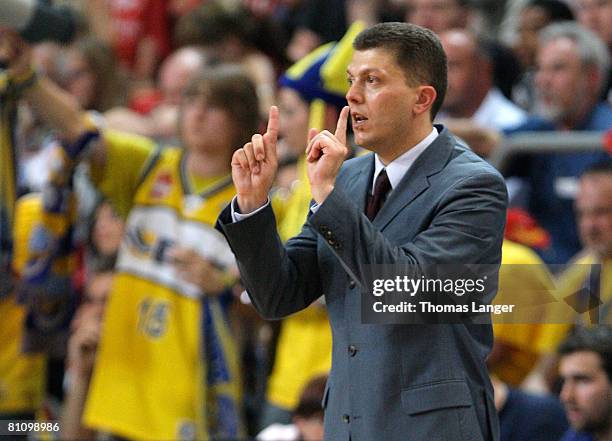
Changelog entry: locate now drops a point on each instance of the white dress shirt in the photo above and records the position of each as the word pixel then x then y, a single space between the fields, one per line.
pixel 397 168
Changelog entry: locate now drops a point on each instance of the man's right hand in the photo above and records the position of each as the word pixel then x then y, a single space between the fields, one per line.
pixel 254 166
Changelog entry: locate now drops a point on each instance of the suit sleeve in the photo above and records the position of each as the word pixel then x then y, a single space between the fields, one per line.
pixel 467 228
pixel 279 280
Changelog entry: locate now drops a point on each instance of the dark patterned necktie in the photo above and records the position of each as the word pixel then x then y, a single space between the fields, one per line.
pixel 381 189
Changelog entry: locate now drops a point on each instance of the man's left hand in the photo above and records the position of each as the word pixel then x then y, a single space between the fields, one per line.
pixel 325 154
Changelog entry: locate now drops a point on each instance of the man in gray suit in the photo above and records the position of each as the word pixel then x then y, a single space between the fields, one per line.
pixel 422 198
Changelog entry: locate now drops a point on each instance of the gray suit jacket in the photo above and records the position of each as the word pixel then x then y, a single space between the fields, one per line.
pixel 388 382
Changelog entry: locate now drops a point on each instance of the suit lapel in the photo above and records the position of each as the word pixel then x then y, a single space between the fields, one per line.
pixel 359 185
pixel 415 181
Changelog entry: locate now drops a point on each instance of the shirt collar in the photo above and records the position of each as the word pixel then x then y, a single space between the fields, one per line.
pixel 397 168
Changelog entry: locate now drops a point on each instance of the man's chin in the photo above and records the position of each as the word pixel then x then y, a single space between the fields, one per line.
pixel 550 112
pixel 576 423
pixel 361 140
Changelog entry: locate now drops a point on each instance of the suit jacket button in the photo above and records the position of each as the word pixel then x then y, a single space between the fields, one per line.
pixel 346 418
pixel 352 350
pixel 352 284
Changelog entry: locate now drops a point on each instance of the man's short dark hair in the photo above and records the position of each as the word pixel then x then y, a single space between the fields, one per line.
pixel 596 339
pixel 228 87
pixel 599 168
pixel 418 52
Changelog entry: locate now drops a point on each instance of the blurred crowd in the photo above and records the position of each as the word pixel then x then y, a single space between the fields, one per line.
pixel 122 315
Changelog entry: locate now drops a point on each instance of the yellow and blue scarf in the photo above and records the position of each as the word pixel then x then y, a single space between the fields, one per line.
pixel 45 284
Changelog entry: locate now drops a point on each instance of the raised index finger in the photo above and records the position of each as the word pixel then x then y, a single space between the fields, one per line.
pixel 273 122
pixel 271 134
pixel 342 124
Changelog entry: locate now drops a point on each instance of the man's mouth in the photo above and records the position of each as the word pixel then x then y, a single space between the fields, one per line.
pixel 572 412
pixel 358 119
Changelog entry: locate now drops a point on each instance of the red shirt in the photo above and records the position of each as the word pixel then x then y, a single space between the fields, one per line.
pixel 134 20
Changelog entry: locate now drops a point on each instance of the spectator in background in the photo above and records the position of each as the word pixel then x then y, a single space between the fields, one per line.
pixel 444 15
pixel 596 15
pixel 535 16
pixel 294 123
pixel 175 324
pixel 594 217
pixel 307 417
pixel 308 24
pixel 177 71
pixel 471 91
pixel 161 123
pixel 105 235
pixel 232 36
pixel 585 287
pixel 318 22
pixel 586 369
pixel 82 348
pixel 570 58
pixel 584 294
pixel 87 69
pixel 525 416
pixel 439 15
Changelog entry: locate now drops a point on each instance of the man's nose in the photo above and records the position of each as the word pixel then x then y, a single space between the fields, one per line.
pixel 541 79
pixel 354 94
pixel 567 393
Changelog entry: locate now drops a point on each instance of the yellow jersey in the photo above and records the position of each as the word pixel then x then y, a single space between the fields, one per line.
pixel 22 376
pixel 150 377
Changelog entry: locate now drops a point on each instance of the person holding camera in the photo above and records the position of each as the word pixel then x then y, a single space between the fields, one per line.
pixel 165 339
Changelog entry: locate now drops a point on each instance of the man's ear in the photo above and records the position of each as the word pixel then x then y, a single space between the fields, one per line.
pixel 425 99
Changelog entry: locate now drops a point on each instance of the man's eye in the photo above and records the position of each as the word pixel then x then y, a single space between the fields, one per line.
pixel 349 81
pixel 371 79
